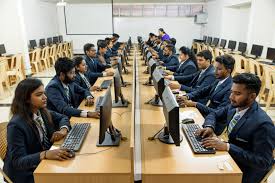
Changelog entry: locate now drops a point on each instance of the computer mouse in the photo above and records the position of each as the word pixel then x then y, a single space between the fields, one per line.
pixel 71 152
pixel 187 121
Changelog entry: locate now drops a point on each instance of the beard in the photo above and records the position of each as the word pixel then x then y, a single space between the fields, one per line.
pixel 67 80
pixel 240 103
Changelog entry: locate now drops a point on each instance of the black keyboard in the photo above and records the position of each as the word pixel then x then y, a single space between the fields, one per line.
pixel 195 141
pixel 98 102
pixel 76 136
pixel 105 84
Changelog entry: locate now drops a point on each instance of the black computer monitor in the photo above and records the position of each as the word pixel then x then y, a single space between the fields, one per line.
pixel 42 42
pixel 121 67
pixel 159 84
pixel 49 41
pixel 242 47
pixel 60 39
pixel 151 67
pixel 119 99
pixel 55 40
pixel 171 132
pixel 2 49
pixel 223 43
pixel 256 50
pixel 108 135
pixel 271 54
pixel 33 44
pixel 204 38
pixel 209 40
pixel 232 45
pixel 215 41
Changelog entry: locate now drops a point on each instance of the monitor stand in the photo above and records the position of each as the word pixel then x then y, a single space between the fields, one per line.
pixel 121 103
pixel 155 101
pixel 149 82
pixel 166 138
pixel 111 138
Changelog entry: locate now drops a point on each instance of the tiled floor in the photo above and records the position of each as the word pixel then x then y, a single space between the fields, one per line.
pixel 46 77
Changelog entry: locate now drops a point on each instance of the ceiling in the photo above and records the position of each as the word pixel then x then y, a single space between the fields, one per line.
pixel 129 1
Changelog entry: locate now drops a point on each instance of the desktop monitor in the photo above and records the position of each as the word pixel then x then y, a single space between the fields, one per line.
pixel 148 55
pixel 209 40
pixel 60 39
pixel 50 41
pixel 232 45
pixel 171 133
pixel 223 43
pixel 120 67
pixel 256 50
pixel 271 54
pixel 152 66
pixel 42 43
pixel 33 44
pixel 2 49
pixel 119 99
pixel 242 47
pixel 55 40
pixel 204 38
pixel 108 135
pixel 215 41
pixel 159 84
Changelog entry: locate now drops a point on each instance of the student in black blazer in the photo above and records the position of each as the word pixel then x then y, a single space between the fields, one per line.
pixel 250 131
pixel 217 93
pixel 31 132
pixel 188 64
pixel 116 44
pixel 95 67
pixel 200 79
pixel 170 59
pixel 61 91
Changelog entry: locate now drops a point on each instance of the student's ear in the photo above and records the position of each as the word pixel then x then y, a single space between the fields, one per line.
pixel 62 75
pixel 252 96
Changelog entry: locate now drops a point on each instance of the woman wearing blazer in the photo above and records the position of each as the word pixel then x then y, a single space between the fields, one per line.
pixel 31 132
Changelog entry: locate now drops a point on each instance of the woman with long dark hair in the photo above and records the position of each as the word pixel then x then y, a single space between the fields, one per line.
pixel 188 63
pixel 31 132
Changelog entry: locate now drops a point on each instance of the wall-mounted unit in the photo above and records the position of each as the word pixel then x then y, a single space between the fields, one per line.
pixel 201 18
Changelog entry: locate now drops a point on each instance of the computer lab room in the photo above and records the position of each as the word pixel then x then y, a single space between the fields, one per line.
pixel 137 91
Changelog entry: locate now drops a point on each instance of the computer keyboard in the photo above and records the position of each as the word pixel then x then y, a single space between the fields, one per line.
pixel 98 102
pixel 76 136
pixel 195 141
pixel 105 84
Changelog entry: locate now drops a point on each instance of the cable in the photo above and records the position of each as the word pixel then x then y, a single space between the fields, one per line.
pixel 78 154
pixel 153 138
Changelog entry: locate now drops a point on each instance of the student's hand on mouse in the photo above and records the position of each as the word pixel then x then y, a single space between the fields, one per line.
pixel 174 86
pixel 58 135
pixel 189 103
pixel 94 88
pixel 58 154
pixel 93 114
pixel 205 132
pixel 169 77
pixel 181 98
pixel 89 101
pixel 214 142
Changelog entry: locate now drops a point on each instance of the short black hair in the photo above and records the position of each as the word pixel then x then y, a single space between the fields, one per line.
pixel 63 65
pixel 167 41
pixel 161 29
pixel 170 47
pixel 159 37
pixel 173 41
pixel 227 61
pixel 116 35
pixel 87 47
pixel 251 81
pixel 101 44
pixel 206 54
pixel 77 61
pixel 151 34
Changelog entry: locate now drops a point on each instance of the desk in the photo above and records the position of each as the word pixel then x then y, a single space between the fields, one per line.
pixel 162 163
pixel 111 165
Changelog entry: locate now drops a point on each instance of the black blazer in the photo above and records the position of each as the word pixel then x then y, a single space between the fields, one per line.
pixel 252 140
pixel 24 146
pixel 58 101
pixel 95 69
pixel 191 82
pixel 186 68
pixel 171 61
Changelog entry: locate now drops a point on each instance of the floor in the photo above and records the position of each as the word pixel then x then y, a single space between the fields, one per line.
pixel 46 77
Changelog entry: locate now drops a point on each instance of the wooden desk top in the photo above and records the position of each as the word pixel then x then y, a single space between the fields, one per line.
pixel 163 163
pixel 91 163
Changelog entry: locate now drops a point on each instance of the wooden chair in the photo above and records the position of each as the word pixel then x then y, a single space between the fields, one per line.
pixel 264 180
pixel 36 60
pixel 218 52
pixel 4 79
pixel 15 72
pixel 45 57
pixel 59 52
pixel 241 65
pixel 204 47
pixel 52 55
pixel 271 90
pixel 3 146
pixel 70 49
pixel 65 49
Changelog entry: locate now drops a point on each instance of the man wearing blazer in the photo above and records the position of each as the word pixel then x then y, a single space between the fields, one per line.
pixel 170 59
pixel 200 79
pixel 95 68
pixel 218 92
pixel 61 91
pixel 250 131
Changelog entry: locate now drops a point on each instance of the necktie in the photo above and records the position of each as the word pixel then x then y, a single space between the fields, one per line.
pixel 45 141
pixel 200 74
pixel 232 123
pixel 217 86
pixel 67 93
pixel 86 81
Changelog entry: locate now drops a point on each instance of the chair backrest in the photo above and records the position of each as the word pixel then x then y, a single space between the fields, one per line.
pixel 18 62
pixel 37 54
pixel 3 139
pixel 3 70
pixel 264 180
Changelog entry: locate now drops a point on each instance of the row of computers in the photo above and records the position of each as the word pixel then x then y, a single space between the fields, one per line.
pixel 108 134
pixel 242 47
pixel 42 42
